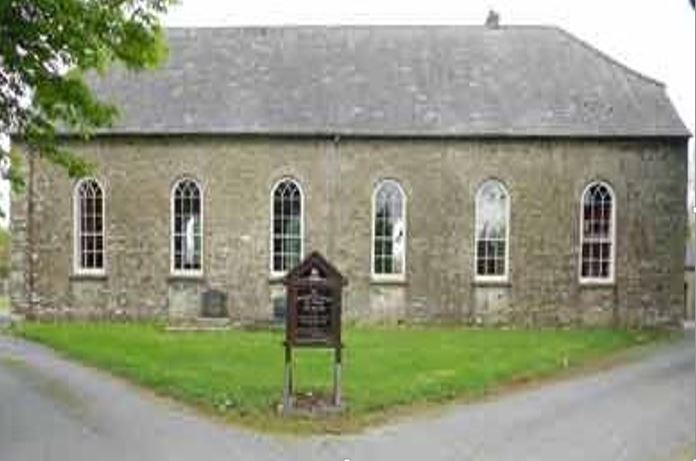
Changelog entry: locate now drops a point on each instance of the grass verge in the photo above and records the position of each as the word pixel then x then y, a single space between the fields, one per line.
pixel 237 375
pixel 4 305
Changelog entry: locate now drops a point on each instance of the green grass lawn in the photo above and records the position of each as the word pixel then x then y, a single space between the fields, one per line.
pixel 238 374
pixel 4 305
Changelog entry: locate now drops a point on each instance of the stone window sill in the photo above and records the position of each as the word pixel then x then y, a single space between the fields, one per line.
pixel 276 278
pixel 492 283
pixel 193 278
pixel 597 284
pixel 89 276
pixel 388 281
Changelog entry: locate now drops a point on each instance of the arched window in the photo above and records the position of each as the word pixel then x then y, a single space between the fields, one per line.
pixel 597 233
pixel 187 227
pixel 89 226
pixel 287 228
pixel 492 230
pixel 389 229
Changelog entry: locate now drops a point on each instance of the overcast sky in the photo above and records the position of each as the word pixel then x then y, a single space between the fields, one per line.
pixel 654 37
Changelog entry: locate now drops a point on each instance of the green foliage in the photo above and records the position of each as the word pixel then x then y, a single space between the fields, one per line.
pixel 47 46
pixel 239 374
pixel 4 253
pixel 14 173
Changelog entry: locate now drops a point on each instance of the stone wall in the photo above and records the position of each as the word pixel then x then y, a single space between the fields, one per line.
pixel 544 178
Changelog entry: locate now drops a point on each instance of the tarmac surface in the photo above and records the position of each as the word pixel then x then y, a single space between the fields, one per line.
pixel 55 409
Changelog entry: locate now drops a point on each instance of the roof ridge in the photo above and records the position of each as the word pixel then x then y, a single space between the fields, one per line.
pixel 357 26
pixel 608 58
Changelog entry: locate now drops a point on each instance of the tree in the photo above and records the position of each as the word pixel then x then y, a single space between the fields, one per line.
pixel 4 254
pixel 47 46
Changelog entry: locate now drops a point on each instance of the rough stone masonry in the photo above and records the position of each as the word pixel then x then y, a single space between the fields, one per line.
pixel 338 109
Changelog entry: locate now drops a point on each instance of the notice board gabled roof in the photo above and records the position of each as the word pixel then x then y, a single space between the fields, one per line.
pixel 315 260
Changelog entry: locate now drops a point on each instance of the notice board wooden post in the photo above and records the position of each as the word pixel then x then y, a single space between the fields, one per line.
pixel 314 290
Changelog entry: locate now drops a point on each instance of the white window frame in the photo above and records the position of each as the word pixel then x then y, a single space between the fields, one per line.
pixel 194 273
pixel 401 275
pixel 274 273
pixel 612 235
pixel 506 275
pixel 77 230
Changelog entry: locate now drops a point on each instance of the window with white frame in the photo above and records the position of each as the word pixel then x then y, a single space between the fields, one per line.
pixel 492 216
pixel 187 227
pixel 286 226
pixel 597 233
pixel 89 226
pixel 389 229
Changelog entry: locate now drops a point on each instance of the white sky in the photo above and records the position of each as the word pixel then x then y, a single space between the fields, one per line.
pixel 653 37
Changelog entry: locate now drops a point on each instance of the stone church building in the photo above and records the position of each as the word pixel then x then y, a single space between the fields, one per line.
pixel 484 174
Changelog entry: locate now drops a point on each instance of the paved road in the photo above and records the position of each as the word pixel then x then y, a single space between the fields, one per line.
pixel 5 318
pixel 52 409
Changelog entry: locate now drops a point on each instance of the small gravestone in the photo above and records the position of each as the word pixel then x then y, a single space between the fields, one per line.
pixel 280 304
pixel 214 304
pixel 314 295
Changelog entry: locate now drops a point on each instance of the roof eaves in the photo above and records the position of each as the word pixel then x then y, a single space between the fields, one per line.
pixel 376 135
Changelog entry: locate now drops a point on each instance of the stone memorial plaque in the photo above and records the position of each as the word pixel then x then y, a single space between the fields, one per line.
pixel 214 304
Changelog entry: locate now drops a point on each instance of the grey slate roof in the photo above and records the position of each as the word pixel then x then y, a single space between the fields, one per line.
pixel 388 81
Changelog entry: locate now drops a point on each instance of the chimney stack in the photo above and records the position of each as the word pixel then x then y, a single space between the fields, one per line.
pixel 493 20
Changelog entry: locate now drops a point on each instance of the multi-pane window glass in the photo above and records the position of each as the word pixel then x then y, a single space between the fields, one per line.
pixel 491 230
pixel 597 232
pixel 90 226
pixel 287 226
pixel 389 234
pixel 187 237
